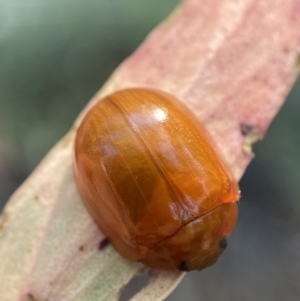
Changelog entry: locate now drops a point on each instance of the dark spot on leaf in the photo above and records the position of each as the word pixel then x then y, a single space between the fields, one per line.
pixel 81 248
pixel 30 297
pixel 183 266
pixel 103 244
pixel 252 134
pixel 246 129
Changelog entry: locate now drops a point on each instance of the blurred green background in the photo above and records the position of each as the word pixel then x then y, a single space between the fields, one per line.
pixel 54 55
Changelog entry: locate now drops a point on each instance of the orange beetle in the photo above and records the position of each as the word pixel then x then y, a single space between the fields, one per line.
pixel 153 181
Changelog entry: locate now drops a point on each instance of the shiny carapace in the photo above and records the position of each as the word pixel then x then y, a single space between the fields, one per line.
pixel 152 179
